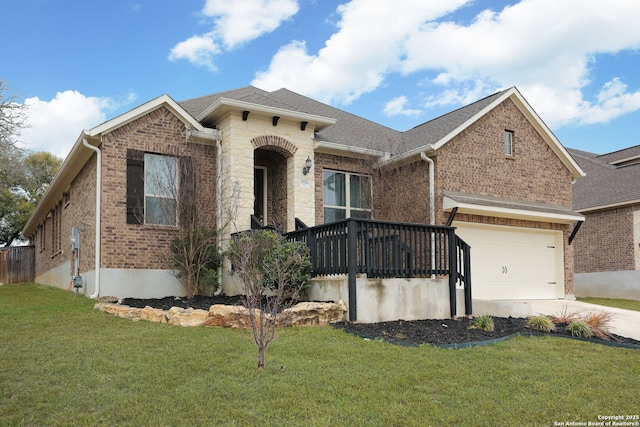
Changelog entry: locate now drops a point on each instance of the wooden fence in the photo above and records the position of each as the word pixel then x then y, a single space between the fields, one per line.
pixel 17 264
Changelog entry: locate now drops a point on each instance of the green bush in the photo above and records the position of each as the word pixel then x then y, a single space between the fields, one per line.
pixel 579 328
pixel 275 260
pixel 484 322
pixel 195 259
pixel 541 323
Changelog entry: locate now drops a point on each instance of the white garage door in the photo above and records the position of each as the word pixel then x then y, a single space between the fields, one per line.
pixel 514 262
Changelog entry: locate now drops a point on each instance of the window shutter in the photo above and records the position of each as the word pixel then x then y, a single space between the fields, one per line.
pixel 135 186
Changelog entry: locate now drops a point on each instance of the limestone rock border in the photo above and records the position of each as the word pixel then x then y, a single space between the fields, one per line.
pixel 229 316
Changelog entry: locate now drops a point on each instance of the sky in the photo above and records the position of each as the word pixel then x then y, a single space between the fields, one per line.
pixel 78 63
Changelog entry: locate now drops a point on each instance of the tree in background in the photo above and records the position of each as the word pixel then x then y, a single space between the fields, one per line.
pixel 24 177
pixel 31 175
pixel 274 273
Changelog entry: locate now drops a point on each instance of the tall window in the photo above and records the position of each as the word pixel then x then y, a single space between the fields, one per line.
pixel 346 195
pixel 508 143
pixel 160 189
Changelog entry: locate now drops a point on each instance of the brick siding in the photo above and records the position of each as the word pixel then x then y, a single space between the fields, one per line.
pixel 605 241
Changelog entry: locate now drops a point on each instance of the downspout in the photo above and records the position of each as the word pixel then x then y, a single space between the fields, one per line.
pixel 98 213
pixel 432 204
pixel 219 207
pixel 432 188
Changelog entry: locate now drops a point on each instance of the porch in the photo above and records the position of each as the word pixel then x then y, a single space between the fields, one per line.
pixel 377 261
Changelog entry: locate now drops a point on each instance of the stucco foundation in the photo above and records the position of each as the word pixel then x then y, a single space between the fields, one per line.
pixel 381 300
pixel 609 284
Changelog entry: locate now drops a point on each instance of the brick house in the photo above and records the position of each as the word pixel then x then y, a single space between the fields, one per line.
pixel 607 248
pixel 492 170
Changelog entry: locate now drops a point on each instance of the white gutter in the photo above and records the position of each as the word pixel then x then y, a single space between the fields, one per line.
pixel 96 292
pixel 432 204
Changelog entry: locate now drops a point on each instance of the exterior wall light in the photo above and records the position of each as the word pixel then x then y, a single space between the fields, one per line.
pixel 307 166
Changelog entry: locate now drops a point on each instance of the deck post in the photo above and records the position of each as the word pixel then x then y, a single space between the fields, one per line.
pixel 453 271
pixel 468 309
pixel 352 247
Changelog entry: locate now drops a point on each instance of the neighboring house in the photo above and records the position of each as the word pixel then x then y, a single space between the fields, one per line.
pixel 491 169
pixel 607 247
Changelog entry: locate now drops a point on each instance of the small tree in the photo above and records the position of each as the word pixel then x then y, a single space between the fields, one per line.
pixel 274 273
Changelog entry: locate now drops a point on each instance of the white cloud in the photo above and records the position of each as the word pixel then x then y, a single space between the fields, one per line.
pixel 241 21
pixel 612 101
pixel 547 48
pixel 367 46
pixel 54 126
pixel 235 23
pixel 198 50
pixel 398 106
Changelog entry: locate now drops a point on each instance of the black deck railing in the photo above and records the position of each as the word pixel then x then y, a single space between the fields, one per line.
pixel 387 249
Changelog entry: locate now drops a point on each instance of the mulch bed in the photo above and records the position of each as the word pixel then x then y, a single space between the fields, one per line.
pixel 446 333
pixel 197 302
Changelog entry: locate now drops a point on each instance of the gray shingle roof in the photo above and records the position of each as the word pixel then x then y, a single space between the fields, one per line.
pixel 434 130
pixel 604 184
pixel 349 129
pixel 616 156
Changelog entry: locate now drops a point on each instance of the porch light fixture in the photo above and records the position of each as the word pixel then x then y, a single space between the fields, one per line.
pixel 274 120
pixel 303 125
pixel 245 115
pixel 307 166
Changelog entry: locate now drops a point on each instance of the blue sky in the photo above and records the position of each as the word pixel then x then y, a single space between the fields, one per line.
pixel 400 63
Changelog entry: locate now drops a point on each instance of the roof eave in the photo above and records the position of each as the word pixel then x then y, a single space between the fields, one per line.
pixel 327 147
pixel 608 206
pixel 502 212
pixel 222 105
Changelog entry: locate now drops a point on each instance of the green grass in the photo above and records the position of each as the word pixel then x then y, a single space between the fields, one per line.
pixel 64 363
pixel 627 304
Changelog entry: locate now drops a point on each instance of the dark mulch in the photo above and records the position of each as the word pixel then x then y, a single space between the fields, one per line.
pixel 451 332
pixel 197 302
pixel 414 332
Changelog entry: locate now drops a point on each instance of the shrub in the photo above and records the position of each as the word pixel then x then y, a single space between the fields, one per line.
pixel 563 317
pixel 579 328
pixel 541 323
pixel 195 259
pixel 484 322
pixel 599 324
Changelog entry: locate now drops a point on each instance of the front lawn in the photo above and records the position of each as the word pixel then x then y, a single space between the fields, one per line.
pixel 64 363
pixel 627 304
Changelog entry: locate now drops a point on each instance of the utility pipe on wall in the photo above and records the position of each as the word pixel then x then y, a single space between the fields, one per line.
pixel 432 204
pixel 96 292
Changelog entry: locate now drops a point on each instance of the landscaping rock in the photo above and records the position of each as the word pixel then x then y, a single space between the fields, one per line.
pixel 154 315
pixel 228 316
pixel 313 314
pixel 119 310
pixel 186 316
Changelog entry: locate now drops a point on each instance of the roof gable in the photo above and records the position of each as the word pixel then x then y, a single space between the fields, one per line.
pixel 80 154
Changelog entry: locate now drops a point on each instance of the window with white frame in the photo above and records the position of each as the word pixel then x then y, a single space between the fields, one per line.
pixel 160 189
pixel 508 143
pixel 346 195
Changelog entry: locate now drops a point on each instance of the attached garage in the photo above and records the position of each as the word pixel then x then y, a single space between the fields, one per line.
pixel 509 262
pixel 514 262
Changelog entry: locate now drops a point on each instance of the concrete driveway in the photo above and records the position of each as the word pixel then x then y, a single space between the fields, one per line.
pixel 624 322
